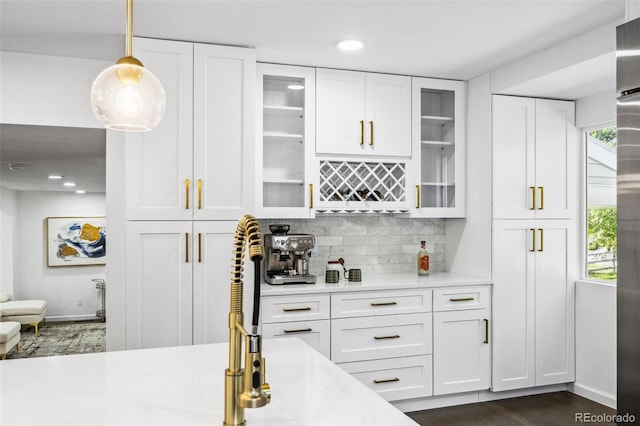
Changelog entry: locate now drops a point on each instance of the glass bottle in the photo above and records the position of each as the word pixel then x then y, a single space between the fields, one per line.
pixel 423 259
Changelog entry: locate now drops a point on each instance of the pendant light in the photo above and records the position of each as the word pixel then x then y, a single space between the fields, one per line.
pixel 126 96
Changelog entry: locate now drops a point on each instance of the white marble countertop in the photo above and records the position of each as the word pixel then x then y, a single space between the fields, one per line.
pixel 376 282
pixel 184 386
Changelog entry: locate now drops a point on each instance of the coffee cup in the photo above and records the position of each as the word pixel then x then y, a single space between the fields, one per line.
pixel 332 276
pixel 353 275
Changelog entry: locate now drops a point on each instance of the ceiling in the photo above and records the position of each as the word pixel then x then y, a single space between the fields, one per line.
pixel 454 39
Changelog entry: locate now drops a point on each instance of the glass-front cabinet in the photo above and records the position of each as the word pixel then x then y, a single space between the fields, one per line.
pixel 286 131
pixel 438 140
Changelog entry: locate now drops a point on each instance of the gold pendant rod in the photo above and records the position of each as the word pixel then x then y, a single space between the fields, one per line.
pixel 129 33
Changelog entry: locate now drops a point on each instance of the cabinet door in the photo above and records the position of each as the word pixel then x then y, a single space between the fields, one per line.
pixel 557 160
pixel 388 115
pixel 513 305
pixel 285 144
pixel 158 163
pixel 439 148
pixel 554 302
pixel 158 284
pixel 513 151
pixel 340 112
pixel 224 93
pixel 461 351
pixel 212 253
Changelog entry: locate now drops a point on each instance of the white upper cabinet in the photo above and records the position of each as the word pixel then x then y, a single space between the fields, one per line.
pixel 362 113
pixel 535 159
pixel 198 163
pixel 439 148
pixel 286 172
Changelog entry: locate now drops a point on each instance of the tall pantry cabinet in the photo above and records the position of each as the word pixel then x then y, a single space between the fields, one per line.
pixel 189 181
pixel 535 257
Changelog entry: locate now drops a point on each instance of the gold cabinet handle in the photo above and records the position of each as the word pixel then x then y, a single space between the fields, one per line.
pixel 533 243
pixel 461 299
pixel 299 330
pixel 371 133
pixel 417 196
pixel 486 331
pixel 533 197
pixel 541 197
pixel 361 132
pixel 199 193
pixel 541 239
pixel 395 379
pixel 186 246
pixel 186 191
pixel 310 195
pixel 395 336
pixel 199 247
pixel 307 308
pixel 384 303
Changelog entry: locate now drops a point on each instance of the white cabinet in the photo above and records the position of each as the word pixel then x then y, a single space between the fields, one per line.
pixel 535 159
pixel 361 113
pixel 438 138
pixel 384 339
pixel 461 336
pixel 198 163
pixel 534 264
pixel 285 148
pixel 177 283
pixel 306 317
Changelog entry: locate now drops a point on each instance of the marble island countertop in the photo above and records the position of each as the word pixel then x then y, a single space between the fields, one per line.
pixel 184 386
pixel 377 282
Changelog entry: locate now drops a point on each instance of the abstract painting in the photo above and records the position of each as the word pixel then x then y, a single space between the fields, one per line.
pixel 76 241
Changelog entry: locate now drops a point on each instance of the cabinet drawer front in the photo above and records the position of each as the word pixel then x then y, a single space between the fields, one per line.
pixel 295 308
pixel 367 303
pixel 454 299
pixel 359 339
pixel 316 334
pixel 395 378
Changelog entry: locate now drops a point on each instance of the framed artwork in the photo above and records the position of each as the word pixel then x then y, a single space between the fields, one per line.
pixel 76 241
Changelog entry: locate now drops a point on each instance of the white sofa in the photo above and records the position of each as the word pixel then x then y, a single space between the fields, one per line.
pixel 9 337
pixel 30 312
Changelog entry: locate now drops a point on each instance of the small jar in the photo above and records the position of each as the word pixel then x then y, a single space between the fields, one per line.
pixel 334 265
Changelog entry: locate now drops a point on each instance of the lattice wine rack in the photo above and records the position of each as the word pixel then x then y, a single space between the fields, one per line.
pixel 347 186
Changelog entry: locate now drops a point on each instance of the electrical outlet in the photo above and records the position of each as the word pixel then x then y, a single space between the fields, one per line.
pixel 80 302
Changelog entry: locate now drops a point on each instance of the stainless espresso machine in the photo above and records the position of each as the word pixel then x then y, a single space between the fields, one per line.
pixel 287 256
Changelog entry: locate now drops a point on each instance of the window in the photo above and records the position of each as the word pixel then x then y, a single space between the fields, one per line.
pixel 601 204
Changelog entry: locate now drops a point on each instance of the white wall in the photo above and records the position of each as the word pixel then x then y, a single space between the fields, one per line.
pixel 61 287
pixel 596 109
pixel 596 342
pixel 8 230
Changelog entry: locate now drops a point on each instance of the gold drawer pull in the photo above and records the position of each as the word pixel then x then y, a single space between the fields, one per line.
pixel 186 193
pixel 300 330
pixel 461 299
pixel 395 379
pixel 395 336
pixel 384 304
pixel 296 309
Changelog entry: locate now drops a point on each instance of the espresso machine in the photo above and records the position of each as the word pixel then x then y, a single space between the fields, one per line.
pixel 287 256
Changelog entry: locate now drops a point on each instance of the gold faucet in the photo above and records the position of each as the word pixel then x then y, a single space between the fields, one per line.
pixel 244 388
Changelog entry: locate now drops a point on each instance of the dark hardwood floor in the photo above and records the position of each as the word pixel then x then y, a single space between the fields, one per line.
pixel 557 408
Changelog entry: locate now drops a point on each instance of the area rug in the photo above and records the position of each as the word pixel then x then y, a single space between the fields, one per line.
pixel 61 339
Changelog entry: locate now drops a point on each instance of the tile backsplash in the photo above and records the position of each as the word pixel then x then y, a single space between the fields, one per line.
pixel 374 243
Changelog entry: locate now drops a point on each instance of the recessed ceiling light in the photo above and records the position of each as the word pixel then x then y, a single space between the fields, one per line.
pixel 55 177
pixel 80 191
pixel 295 86
pixel 350 45
pixel 69 184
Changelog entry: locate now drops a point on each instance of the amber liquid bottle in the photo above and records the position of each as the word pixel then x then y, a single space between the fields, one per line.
pixel 423 259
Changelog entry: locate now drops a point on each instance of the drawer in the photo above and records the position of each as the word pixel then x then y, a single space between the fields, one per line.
pixel 387 336
pixel 395 378
pixel 306 307
pixel 459 298
pixel 316 334
pixel 367 303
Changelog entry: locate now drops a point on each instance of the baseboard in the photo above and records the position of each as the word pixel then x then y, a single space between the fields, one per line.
pixel 61 318
pixel 594 395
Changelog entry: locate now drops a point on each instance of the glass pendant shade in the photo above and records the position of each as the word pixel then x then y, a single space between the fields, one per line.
pixel 126 96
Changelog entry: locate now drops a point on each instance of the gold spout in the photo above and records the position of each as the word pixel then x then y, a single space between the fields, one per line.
pixel 244 388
